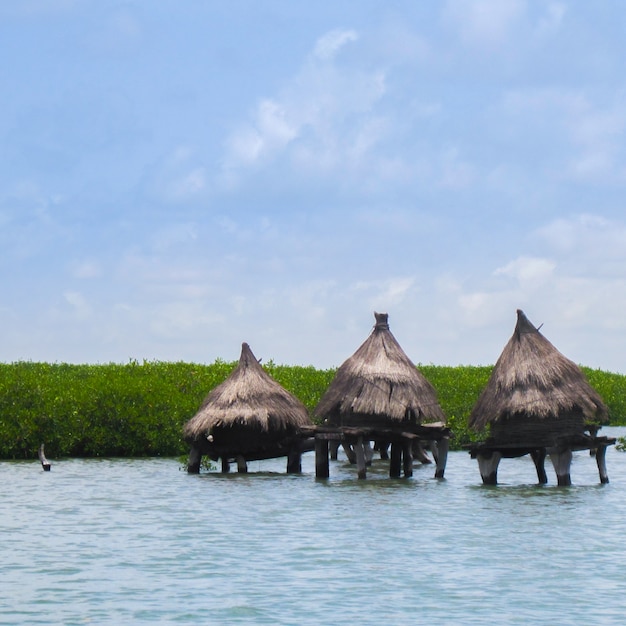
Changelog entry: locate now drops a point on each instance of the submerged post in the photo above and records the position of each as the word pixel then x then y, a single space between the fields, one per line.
pixel 442 456
pixel 539 457
pixel 395 464
pixel 360 458
pixel 601 461
pixel 225 465
pixel 488 462
pixel 322 468
pixel 407 458
pixel 562 461
pixel 42 458
pixel 242 465
pixel 294 460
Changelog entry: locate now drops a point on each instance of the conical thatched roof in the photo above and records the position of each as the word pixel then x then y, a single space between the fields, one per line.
pixel 248 400
pixel 533 383
pixel 379 384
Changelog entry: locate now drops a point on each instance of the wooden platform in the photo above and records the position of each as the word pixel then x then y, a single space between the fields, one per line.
pixel 357 444
pixel 490 452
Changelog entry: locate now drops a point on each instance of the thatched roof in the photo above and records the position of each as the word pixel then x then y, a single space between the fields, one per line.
pixel 248 399
pixel 379 383
pixel 532 380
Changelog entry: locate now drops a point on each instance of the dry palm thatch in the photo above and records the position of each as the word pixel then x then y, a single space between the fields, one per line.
pixel 379 386
pixel 247 412
pixel 535 392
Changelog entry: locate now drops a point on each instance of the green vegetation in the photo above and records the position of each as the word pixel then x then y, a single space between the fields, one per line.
pixel 138 409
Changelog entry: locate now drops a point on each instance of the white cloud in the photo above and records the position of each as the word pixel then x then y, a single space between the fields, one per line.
pixel 329 45
pixel 528 270
pixel 484 22
pixel 78 303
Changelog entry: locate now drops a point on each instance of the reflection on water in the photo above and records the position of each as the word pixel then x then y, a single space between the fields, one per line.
pixel 141 542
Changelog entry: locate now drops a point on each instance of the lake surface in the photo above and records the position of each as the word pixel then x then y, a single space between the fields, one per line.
pixel 141 542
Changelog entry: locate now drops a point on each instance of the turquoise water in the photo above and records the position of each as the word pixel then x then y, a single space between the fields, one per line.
pixel 141 542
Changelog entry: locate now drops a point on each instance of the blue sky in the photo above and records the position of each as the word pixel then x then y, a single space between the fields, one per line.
pixel 179 177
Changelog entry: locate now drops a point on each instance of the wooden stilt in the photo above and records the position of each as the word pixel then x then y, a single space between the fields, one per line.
pixel 225 465
pixel 242 465
pixel 395 464
pixel 488 465
pixel 419 453
pixel 562 461
pixel 193 464
pixel 407 458
pixel 45 463
pixel 294 460
pixel 539 458
pixel 601 461
pixel 434 450
pixel 322 468
pixel 442 456
pixel 347 448
pixel 360 458
pixel 333 447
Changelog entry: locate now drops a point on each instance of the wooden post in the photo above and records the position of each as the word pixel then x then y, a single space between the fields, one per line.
pixel 360 458
pixel 434 450
pixel 395 464
pixel 225 465
pixel 562 461
pixel 193 464
pixel 322 468
pixel 601 461
pixel 294 460
pixel 488 465
pixel 539 457
pixel 407 458
pixel 242 466
pixel 333 446
pixel 442 456
pixel 44 462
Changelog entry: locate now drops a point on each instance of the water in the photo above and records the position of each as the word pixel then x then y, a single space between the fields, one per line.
pixel 141 542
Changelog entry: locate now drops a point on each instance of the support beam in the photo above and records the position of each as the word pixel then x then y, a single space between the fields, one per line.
pixel 562 461
pixel 322 468
pixel 601 461
pixel 225 465
pixel 395 464
pixel 193 464
pixel 442 456
pixel 419 453
pixel 539 458
pixel 488 465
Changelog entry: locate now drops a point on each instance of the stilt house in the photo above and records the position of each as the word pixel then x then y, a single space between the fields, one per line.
pixel 379 393
pixel 248 417
pixel 536 400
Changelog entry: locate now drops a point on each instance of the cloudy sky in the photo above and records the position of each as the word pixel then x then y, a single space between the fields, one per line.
pixel 179 177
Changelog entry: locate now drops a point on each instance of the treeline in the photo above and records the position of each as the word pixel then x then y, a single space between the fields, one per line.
pixel 139 408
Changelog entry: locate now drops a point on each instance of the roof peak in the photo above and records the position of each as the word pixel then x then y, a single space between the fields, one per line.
pixel 382 321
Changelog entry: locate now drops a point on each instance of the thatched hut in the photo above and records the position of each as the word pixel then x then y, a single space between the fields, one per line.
pixel 535 393
pixel 248 417
pixel 536 399
pixel 380 389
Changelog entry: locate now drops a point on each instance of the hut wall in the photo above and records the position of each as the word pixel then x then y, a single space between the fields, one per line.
pixel 531 429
